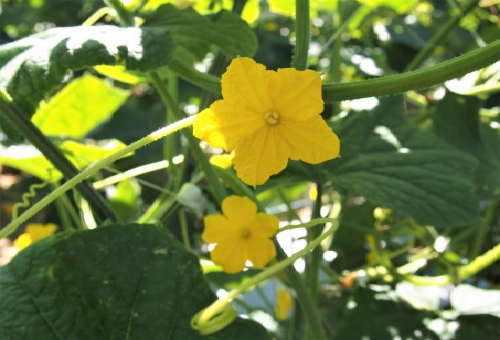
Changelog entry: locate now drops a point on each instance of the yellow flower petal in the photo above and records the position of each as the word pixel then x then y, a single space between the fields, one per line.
pixel 23 241
pixel 230 255
pixel 296 94
pixel 260 156
pixel 312 141
pixel 218 229
pixel 239 210
pixel 264 226
pixel 261 251
pixel 240 234
pixel 40 231
pixel 283 303
pixel 223 161
pixel 244 85
pixel 223 126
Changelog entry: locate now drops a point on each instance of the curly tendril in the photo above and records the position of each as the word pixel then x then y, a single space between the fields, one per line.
pixel 25 198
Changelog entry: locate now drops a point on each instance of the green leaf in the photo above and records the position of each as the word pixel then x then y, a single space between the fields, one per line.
pixel 397 5
pixel 457 121
pixel 189 29
pixel 371 315
pixel 395 164
pixel 29 75
pixel 76 110
pixel 28 159
pixel 115 282
pixel 125 201
pixel 250 12
pixel 477 327
pixel 120 73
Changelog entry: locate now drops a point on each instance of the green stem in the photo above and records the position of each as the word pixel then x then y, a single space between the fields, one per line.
pixel 72 211
pixel 63 214
pixel 218 188
pixel 184 229
pixel 126 18
pixel 204 80
pixel 482 230
pixel 21 122
pixel 439 36
pixel 265 299
pixel 316 327
pixel 160 206
pixel 302 34
pixel 229 177
pixel 388 85
pixel 92 170
pixel 306 224
pixel 479 263
pixel 317 253
pixel 436 74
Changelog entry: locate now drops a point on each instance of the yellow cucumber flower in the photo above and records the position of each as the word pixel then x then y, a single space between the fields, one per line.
pixel 240 234
pixel 283 304
pixel 34 232
pixel 267 117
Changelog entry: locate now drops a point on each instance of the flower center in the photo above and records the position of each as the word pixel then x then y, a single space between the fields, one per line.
pixel 272 116
pixel 245 233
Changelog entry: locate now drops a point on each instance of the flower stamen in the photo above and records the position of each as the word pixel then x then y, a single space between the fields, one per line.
pixel 272 117
pixel 245 233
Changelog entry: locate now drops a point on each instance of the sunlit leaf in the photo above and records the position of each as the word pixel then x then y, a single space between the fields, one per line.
pixel 250 11
pixel 397 5
pixel 28 159
pixel 76 110
pixel 120 73
pixel 46 57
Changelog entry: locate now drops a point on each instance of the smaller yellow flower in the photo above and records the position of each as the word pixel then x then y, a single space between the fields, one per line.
pixel 34 232
pixel 283 304
pixel 240 234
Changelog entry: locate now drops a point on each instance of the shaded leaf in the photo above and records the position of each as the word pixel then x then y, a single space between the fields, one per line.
pixel 457 121
pixel 189 29
pixel 484 327
pixel 29 75
pixel 395 164
pixel 125 200
pixel 373 315
pixel 79 108
pixel 115 282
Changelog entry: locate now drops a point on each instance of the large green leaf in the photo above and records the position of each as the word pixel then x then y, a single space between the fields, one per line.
pixel 457 121
pixel 28 159
pixel 40 62
pixel 79 108
pixel 393 163
pixel 115 282
pixel 190 29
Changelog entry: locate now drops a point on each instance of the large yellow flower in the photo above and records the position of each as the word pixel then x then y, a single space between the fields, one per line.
pixel 240 234
pixel 267 117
